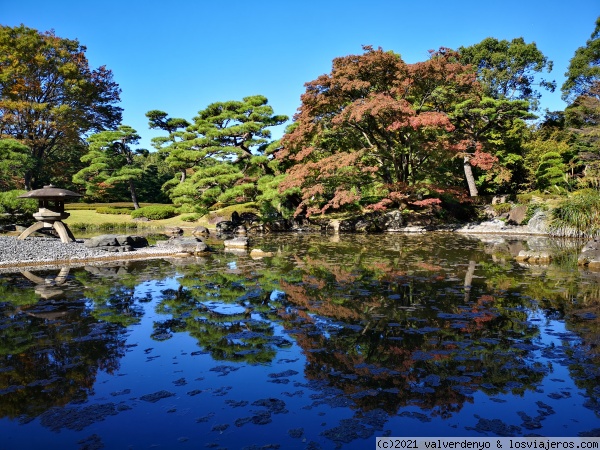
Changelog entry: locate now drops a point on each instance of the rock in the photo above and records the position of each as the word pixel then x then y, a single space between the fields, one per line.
pixel 190 245
pixel 241 230
pixel 238 242
pixel 173 231
pixel 538 224
pixel 133 240
pixel 279 225
pixel 590 254
pixel 533 257
pixel 200 231
pixel 235 218
pixel 249 218
pixel 116 242
pixel 257 253
pixel 104 240
pixel 392 221
pixel 334 225
pixel 499 199
pixel 225 227
pixel 516 216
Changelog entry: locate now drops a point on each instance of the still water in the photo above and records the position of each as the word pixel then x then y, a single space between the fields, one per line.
pixel 328 343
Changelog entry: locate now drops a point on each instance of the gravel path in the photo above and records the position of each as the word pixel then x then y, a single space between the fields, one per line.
pixel 41 250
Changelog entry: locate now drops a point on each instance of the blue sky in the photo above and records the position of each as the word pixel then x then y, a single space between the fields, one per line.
pixel 179 56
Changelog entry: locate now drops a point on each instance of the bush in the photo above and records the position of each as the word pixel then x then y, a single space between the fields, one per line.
pixel 156 212
pixel 502 208
pixel 111 210
pixel 15 209
pixel 191 217
pixel 578 215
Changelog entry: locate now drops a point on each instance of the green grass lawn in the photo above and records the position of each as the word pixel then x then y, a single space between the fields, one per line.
pixel 94 221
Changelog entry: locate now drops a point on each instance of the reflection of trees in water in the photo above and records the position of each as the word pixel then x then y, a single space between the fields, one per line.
pixel 227 307
pixel 562 291
pixel 390 333
pixel 58 332
pixel 52 360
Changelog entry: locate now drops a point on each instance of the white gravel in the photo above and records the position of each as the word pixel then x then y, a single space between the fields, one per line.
pixel 40 250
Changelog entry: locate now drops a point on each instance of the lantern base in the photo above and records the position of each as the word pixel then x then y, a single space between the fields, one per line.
pixel 62 229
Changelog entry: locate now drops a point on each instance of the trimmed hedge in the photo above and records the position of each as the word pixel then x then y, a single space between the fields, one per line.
pixel 111 210
pixel 157 212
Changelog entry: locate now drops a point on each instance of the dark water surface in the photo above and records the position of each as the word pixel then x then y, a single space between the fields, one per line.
pixel 327 344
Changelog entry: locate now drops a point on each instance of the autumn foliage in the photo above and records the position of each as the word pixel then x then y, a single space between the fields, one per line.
pixel 376 128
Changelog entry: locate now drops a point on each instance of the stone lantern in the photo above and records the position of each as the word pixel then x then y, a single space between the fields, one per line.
pixel 51 211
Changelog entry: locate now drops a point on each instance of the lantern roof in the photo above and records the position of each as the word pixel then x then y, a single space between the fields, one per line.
pixel 51 192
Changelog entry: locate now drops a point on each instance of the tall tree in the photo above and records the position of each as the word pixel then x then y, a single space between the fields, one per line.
pixel 584 68
pixel 377 126
pixel 111 162
pixel 14 162
pixel 509 69
pixel 175 127
pixel 510 74
pixel 49 96
pixel 221 154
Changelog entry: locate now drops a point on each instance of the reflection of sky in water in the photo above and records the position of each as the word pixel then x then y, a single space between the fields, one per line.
pixel 224 402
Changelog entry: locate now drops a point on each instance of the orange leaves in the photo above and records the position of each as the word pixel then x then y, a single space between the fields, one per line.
pixel 482 160
pixel 427 202
pixel 376 121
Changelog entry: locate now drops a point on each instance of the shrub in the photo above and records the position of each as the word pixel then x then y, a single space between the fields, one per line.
pixel 191 217
pixel 502 208
pixel 578 215
pixel 156 212
pixel 111 210
pixel 15 209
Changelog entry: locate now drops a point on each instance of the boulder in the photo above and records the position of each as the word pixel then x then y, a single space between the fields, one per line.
pixel 538 224
pixel 225 227
pixel 116 242
pixel 173 231
pixel 104 240
pixel 238 242
pixel 516 215
pixel 590 254
pixel 249 218
pixel 190 245
pixel 200 231
pixel 279 225
pixel 391 221
pixel 133 240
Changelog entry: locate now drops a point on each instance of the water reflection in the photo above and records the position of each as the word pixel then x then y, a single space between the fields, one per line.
pixel 390 328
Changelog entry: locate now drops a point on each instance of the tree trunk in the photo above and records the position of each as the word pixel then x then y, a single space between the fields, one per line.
pixel 182 178
pixel 27 180
pixel 469 176
pixel 134 199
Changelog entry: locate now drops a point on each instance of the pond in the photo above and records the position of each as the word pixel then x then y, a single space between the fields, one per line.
pixel 328 343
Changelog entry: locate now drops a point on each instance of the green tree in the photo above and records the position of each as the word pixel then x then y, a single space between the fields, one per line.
pixel 15 160
pixel 49 96
pixel 584 68
pixel 175 127
pixel 546 141
pixel 111 162
pixel 508 70
pixel 221 155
